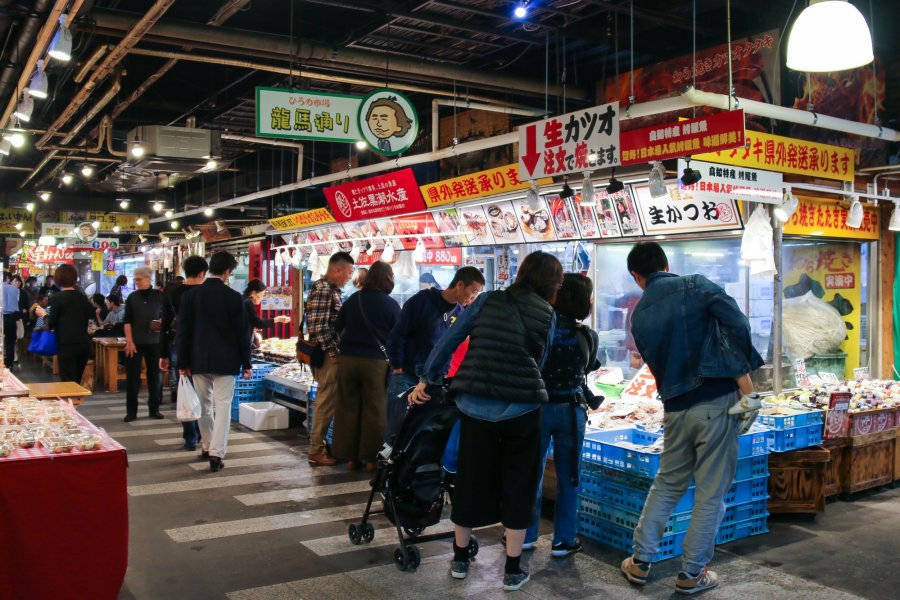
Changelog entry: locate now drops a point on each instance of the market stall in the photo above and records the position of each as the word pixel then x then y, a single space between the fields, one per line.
pixel 63 489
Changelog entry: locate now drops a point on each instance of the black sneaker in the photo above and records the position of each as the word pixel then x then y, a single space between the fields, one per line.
pixel 515 581
pixel 216 464
pixel 157 415
pixel 204 454
pixel 130 418
pixel 459 569
pixel 563 549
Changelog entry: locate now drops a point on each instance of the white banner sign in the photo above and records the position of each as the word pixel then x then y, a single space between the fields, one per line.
pixel 297 114
pixel 98 244
pixel 58 230
pixel 572 143
pixel 682 212
pixel 737 183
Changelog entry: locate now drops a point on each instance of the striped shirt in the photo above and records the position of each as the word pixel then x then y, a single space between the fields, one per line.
pixel 322 307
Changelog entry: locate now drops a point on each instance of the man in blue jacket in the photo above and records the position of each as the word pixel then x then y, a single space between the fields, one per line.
pixel 424 319
pixel 696 341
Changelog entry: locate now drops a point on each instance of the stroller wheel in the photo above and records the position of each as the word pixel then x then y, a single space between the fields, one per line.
pixel 400 559
pixel 368 532
pixel 473 547
pixel 413 557
pixel 354 534
pixel 413 531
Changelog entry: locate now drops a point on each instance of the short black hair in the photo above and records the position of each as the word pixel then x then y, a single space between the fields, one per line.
pixel 32 278
pixel 7 275
pixel 468 275
pixel 574 297
pixel 44 296
pixel 98 299
pixel 114 299
pixel 255 285
pixel 66 275
pixel 179 279
pixel 541 273
pixel 194 265
pixel 647 258
pixel 121 280
pixel 221 262
pixel 340 257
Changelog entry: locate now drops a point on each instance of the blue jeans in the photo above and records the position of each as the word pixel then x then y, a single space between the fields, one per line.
pixel 191 429
pixel 396 406
pixel 556 423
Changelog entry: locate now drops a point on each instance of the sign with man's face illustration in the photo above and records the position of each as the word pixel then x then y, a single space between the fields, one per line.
pixel 388 122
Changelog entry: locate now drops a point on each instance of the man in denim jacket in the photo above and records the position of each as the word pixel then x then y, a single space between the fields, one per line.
pixel 696 342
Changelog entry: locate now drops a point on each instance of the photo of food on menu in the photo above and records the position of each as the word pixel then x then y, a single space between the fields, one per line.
pixel 536 224
pixel 449 225
pixel 626 212
pixel 562 218
pixel 415 227
pixel 504 224
pixel 587 218
pixel 606 217
pixel 476 226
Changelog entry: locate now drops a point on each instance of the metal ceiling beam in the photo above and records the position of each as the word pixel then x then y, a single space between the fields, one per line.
pixel 444 36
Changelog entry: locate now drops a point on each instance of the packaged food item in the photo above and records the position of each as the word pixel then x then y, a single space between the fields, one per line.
pixel 57 445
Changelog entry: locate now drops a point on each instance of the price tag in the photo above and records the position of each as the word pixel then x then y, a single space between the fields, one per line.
pixel 861 373
pixel 829 378
pixel 815 380
pixel 799 366
pixel 803 381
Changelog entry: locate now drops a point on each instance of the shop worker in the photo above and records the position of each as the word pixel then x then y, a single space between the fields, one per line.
pixel 213 347
pixel 696 342
pixel 423 320
pixel 322 306
pixel 142 311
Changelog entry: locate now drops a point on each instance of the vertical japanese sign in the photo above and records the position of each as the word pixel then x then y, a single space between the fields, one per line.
pixel 738 183
pixel 570 143
pixel 97 261
pixel 721 131
pixel 303 115
pixel 831 271
pixel 679 212
pixel 395 193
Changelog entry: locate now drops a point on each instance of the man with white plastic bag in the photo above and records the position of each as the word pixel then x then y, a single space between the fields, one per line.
pixel 188 406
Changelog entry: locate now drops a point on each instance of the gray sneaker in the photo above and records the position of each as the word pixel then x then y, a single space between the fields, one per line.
pixel 515 581
pixel 686 583
pixel 459 569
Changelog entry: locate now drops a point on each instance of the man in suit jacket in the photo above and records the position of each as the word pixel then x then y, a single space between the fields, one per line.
pixel 213 348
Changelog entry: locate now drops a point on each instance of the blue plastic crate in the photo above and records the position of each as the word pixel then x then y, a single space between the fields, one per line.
pixel 741 529
pixel 605 447
pixel 795 439
pixel 800 419
pixel 622 539
pixel 258 373
pixel 625 497
pixel 746 511
pixel 747 468
pixel 248 385
pixel 753 444
pixel 747 491
pixel 329 435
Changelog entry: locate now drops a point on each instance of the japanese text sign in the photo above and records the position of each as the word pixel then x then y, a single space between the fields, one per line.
pixel 97 261
pixel 720 131
pixel 829 219
pixel 297 114
pixel 570 143
pixel 413 228
pixel 10 216
pixel 680 212
pixel 451 257
pixel 788 155
pixel 97 244
pixel 642 387
pixel 737 183
pixel 50 255
pixel 307 218
pixel 837 417
pixel 475 185
pixel 127 222
pixel 395 193
pixel 58 230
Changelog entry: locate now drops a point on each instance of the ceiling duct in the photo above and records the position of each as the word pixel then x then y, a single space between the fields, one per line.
pixel 174 149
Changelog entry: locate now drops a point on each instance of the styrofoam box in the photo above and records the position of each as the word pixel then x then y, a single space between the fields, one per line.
pixel 260 416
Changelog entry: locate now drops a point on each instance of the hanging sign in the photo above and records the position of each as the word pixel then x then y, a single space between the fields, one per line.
pixel 720 131
pixel 737 183
pixel 386 195
pixel 476 185
pixel 570 143
pixel 307 218
pixel 100 244
pixel 58 230
pixel 503 267
pixel 97 261
pixel 127 222
pixel 681 212
pixel 110 263
pixel 788 155
pixel 449 257
pixel 303 115
pixel 10 216
pixel 50 255
pixel 412 228
pixel 829 219
pixel 388 122
pixel 86 232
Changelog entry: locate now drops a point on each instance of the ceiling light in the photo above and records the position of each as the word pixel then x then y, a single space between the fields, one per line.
pixel 137 150
pixel 46 240
pixel 829 35
pixel 140 221
pixel 209 211
pixel 16 137
pixel 521 10
pixel 45 196
pixel 174 224
pixel 87 170
pixel 220 226
pixel 690 176
pixel 615 186
pixel 855 216
pixel 38 85
pixel 96 224
pixel 5 147
pixel 169 213
pixel 784 211
pixel 587 191
pixel 67 178
pixel 658 180
pixel 25 107
pixel 30 207
pixel 22 233
pixel 361 145
pixel 533 198
pixel 157 206
pixel 895 219
pixel 124 203
pixel 18 226
pixel 566 191
pixel 211 164
pixel 61 46
pixel 116 229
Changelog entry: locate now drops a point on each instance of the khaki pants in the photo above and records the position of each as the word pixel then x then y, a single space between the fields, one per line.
pixel 327 393
pixel 361 415
pixel 216 393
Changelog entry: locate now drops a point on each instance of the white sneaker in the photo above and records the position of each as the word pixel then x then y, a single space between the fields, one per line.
pixel 748 403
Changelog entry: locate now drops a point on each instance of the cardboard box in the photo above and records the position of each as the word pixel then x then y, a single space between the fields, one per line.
pixel 260 416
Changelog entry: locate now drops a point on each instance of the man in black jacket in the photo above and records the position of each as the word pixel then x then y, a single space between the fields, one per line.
pixel 213 348
pixel 142 308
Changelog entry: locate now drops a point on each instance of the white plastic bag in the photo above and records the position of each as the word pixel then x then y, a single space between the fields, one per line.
pixel 188 407
pixel 811 326
pixel 757 245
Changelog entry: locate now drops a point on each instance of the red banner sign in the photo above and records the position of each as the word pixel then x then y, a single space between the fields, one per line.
pixel 50 255
pixel 451 257
pixel 720 131
pixel 387 195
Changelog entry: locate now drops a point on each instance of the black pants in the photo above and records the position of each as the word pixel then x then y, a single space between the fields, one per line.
pixel 149 354
pixel 499 471
pixel 72 361
pixel 9 338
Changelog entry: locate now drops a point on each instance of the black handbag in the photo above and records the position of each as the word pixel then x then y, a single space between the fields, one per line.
pixel 309 352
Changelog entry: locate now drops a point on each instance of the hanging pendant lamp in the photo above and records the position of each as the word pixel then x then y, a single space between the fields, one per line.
pixel 829 35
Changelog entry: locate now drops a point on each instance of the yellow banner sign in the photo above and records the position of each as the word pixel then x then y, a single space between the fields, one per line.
pixel 788 155
pixel 476 185
pixel 307 218
pixel 828 218
pixel 127 222
pixel 97 262
pixel 9 217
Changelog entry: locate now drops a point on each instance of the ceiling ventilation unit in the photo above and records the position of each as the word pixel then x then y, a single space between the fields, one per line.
pixel 174 149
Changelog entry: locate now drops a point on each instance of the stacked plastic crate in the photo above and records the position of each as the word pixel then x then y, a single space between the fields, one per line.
pixel 311 397
pixel 791 429
pixel 250 390
pixel 616 477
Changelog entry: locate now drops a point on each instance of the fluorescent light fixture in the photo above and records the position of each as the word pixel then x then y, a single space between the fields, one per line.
pixel 361 145
pixel 829 35
pixel 124 203
pixel 855 216
pixel 587 191
pixel 894 225
pixel 658 180
pixel 96 224
pixel 38 85
pixel 209 211
pixel 87 170
pixel 61 45
pixel 45 196
pixel 25 108
pixel 784 211
pixel 157 206
pixel 16 137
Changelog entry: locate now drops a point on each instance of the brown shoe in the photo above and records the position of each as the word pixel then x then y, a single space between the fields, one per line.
pixel 321 460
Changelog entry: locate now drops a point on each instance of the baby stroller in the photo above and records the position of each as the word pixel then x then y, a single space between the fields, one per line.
pixel 412 484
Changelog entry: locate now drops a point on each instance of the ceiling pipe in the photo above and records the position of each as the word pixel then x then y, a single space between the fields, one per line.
pixel 307 52
pixel 92 60
pixel 438 102
pixel 257 140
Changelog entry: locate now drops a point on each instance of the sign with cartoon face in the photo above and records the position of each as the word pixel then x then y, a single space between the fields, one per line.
pixel 388 122
pixel 86 232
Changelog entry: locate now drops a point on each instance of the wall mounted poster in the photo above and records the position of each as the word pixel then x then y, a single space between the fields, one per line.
pixel 625 210
pixel 504 224
pixel 606 216
pixel 563 218
pixel 416 226
pixel 586 217
pixel 537 226
pixel 449 224
pixel 476 226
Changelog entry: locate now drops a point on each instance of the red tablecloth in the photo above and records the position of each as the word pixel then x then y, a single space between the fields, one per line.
pixel 64 525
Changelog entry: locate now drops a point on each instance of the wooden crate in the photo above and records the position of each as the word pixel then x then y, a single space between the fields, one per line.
pixel 797 481
pixel 834 469
pixel 870 461
pixel 897 455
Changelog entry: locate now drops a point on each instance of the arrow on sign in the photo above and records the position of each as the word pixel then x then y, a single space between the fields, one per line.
pixel 531 156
